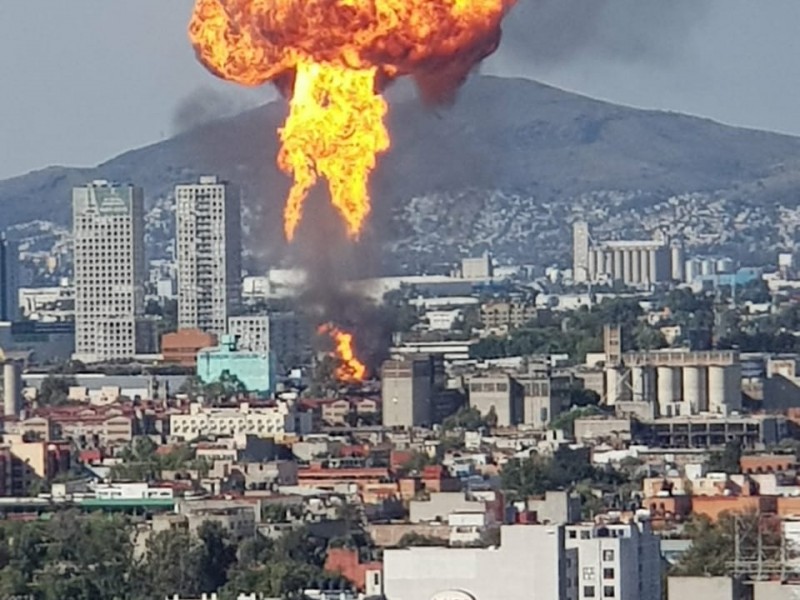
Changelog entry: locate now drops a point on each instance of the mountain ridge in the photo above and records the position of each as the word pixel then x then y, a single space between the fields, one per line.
pixel 502 138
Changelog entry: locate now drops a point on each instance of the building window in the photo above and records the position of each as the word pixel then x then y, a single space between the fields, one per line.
pixel 608 555
pixel 608 591
pixel 585 535
pixel 608 573
pixel 573 534
pixel 588 573
pixel 588 591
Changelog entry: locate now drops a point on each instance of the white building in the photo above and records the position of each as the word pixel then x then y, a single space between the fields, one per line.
pixel 108 227
pixel 442 320
pixel 632 262
pixel 277 422
pixel 531 563
pixel 251 331
pixel 209 241
pixel 620 560
pixel 478 268
pixel 132 491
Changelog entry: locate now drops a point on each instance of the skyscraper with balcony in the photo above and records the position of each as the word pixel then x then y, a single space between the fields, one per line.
pixel 209 239
pixel 108 229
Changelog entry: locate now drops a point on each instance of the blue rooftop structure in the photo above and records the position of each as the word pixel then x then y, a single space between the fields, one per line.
pixel 256 370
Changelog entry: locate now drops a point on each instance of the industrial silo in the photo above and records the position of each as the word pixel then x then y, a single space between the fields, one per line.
pixel 12 388
pixel 695 385
pixel 668 387
pixel 716 389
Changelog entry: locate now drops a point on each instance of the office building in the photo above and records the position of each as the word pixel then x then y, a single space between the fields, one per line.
pixel 478 268
pixel 251 332
pixel 531 563
pixel 505 315
pixel 407 388
pixel 209 240
pixel 108 229
pixel 498 394
pixel 9 280
pixel 616 560
pixel 290 336
pixel 631 262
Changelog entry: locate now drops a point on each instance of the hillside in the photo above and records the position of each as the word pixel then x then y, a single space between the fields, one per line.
pixel 507 167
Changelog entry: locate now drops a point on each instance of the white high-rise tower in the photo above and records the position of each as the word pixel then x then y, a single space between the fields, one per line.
pixel 209 239
pixel 108 227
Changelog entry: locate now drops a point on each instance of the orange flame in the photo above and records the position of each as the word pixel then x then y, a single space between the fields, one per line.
pixel 350 369
pixel 334 57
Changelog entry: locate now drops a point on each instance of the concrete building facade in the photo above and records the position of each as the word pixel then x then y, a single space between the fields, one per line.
pixel 619 560
pixel 632 262
pixel 531 563
pixel 251 332
pixel 109 264
pixel 499 393
pixel 279 421
pixel 209 240
pixel 407 387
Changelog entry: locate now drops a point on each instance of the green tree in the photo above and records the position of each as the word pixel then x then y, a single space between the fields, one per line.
pixel 713 543
pixel 54 390
pixel 467 417
pixel 726 461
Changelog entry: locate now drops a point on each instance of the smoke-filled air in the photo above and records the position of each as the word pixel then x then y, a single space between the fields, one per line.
pixel 333 59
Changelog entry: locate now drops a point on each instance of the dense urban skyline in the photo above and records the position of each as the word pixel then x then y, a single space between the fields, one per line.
pixel 133 92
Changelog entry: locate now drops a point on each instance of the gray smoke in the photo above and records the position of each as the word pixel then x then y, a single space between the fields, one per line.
pixel 546 32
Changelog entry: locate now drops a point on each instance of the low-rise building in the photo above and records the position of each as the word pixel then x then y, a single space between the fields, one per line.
pixel 255 370
pixel 617 560
pixel 497 393
pixel 182 347
pixel 279 421
pixel 532 562
pixel 505 315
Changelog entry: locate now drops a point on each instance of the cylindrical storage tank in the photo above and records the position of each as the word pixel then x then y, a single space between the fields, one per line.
pixel 692 270
pixel 668 387
pixel 613 384
pixel 655 276
pixel 643 384
pixel 716 389
pixel 733 387
pixel 725 265
pixel 626 266
pixel 592 274
pixel 676 260
pixel 708 266
pixel 636 267
pixel 12 388
pixel 617 265
pixel 644 266
pixel 694 389
pixel 638 384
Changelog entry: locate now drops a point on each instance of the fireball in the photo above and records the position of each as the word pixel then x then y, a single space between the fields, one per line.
pixel 333 59
pixel 350 369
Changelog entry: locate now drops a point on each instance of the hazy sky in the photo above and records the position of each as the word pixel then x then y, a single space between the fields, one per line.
pixel 83 80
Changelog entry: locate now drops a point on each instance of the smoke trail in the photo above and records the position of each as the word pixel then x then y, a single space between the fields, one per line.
pixel 547 32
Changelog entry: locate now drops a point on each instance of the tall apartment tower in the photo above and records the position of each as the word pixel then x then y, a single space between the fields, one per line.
pixel 108 228
pixel 9 280
pixel 209 237
pixel 580 252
